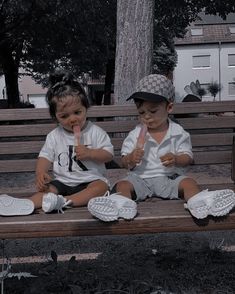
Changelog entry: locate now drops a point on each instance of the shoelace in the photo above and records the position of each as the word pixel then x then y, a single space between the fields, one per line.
pixel 107 194
pixel 65 205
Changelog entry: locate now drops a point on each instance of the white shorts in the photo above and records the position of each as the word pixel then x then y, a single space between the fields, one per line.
pixel 163 186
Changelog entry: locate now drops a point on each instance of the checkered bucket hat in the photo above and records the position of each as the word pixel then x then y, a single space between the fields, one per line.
pixel 154 88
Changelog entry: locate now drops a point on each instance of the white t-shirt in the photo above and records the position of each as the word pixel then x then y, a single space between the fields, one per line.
pixel 176 141
pixel 59 149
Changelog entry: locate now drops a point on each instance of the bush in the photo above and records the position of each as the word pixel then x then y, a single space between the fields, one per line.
pixel 214 88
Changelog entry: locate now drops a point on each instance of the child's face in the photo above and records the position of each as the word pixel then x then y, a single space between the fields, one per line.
pixel 71 112
pixel 155 115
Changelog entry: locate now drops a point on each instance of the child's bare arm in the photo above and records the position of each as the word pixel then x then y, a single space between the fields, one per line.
pixel 42 176
pixel 99 155
pixel 180 160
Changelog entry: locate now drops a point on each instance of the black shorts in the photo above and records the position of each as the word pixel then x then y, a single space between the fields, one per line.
pixel 65 190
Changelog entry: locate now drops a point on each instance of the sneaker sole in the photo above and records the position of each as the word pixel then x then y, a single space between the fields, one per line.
pixel 10 206
pixel 200 211
pixel 128 210
pixel 103 208
pixel 106 210
pixel 224 202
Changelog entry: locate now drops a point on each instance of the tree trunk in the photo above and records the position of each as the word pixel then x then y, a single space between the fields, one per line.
pixel 10 70
pixel 134 45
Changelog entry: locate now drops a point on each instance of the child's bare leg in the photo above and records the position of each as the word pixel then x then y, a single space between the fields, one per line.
pixel 188 188
pixel 125 188
pixel 94 189
pixel 37 197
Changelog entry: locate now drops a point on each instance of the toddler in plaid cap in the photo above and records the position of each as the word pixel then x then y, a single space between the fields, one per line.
pixel 156 154
pixel 154 88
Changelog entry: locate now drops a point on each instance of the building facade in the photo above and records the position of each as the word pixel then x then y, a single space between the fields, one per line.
pixel 207 54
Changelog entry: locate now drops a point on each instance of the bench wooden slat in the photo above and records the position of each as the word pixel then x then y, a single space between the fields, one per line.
pixel 44 129
pixel 233 161
pixel 154 217
pixel 212 157
pixel 21 165
pixel 218 139
pixel 219 122
pixel 115 126
pixel 205 157
pixel 117 110
pixel 21 147
pixel 30 190
pixel 205 107
pixel 206 140
pixel 26 130
pixel 27 165
pixel 35 146
pixel 24 114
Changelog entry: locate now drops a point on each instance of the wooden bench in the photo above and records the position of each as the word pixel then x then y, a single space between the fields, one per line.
pixel 23 131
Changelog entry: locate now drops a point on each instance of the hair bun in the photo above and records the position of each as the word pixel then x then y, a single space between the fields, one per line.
pixel 60 77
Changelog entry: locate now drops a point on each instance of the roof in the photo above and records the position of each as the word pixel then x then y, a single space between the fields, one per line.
pixel 214 30
pixel 214 19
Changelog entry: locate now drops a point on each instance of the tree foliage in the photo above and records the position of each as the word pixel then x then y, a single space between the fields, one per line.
pixel 84 38
pixel 41 35
pixel 38 36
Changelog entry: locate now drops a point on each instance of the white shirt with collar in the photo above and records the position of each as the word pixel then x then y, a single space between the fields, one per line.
pixel 176 141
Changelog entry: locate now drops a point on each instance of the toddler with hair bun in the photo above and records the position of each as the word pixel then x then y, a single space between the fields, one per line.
pixel 78 163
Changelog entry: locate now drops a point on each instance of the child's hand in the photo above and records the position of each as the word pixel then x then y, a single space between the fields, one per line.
pixel 136 156
pixel 42 180
pixel 168 159
pixel 82 152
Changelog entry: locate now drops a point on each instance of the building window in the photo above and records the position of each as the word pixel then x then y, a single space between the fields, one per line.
pixel 231 88
pixel 231 59
pixel 196 31
pixel 201 61
pixel 232 29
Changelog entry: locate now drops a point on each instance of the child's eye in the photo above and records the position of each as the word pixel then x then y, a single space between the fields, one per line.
pixel 153 111
pixel 141 112
pixel 64 116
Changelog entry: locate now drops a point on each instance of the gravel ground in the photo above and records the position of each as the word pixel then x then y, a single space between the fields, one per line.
pixel 166 263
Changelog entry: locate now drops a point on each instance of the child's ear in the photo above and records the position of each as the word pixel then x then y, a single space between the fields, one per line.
pixel 170 107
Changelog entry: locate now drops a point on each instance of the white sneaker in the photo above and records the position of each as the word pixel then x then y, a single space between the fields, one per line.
pixel 111 207
pixel 51 201
pixel 15 206
pixel 216 203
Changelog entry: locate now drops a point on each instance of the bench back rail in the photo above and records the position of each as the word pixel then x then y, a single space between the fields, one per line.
pixel 23 131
